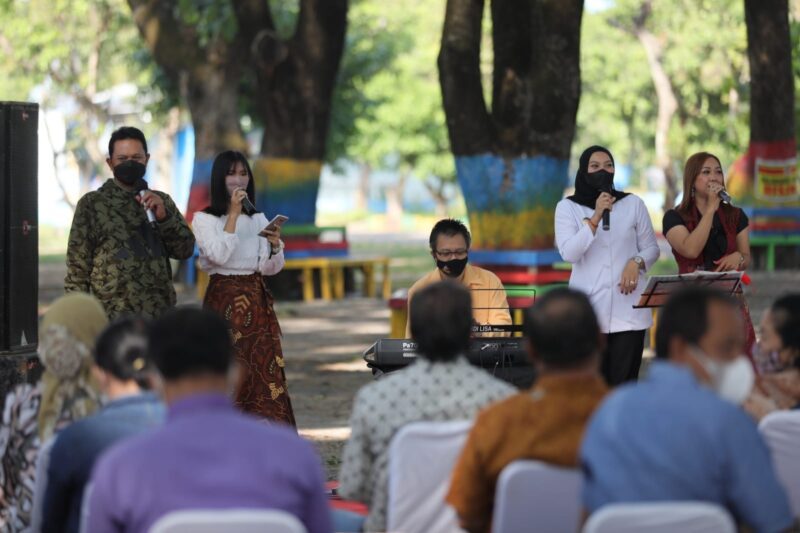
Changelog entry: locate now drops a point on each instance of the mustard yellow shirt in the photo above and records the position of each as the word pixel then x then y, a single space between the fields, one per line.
pixel 489 302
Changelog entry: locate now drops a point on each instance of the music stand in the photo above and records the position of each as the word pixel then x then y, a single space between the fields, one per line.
pixel 660 288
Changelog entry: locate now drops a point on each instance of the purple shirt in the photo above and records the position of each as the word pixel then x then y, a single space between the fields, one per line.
pixel 206 456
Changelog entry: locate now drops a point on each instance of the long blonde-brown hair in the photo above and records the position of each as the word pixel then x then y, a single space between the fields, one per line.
pixel 691 170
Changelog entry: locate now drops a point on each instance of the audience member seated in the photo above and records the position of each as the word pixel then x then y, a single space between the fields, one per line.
pixel 565 344
pixel 778 358
pixel 120 367
pixel 32 413
pixel 440 385
pixel 207 455
pixel 679 434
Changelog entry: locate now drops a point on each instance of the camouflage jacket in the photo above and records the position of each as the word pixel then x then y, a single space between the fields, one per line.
pixel 115 254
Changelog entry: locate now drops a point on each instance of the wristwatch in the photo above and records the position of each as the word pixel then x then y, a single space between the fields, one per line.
pixel 639 261
pixel 274 250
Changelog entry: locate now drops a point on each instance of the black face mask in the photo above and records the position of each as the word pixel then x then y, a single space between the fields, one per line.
pixel 129 172
pixel 454 267
pixel 602 180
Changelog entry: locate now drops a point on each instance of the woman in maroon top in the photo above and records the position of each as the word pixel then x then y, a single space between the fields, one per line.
pixel 704 233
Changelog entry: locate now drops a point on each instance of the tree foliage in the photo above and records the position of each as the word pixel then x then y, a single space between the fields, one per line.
pixel 75 50
pixel 388 110
pixel 705 57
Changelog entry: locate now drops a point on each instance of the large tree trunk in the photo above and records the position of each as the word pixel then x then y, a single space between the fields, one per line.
pixel 767 173
pixel 295 81
pixel 512 163
pixel 208 77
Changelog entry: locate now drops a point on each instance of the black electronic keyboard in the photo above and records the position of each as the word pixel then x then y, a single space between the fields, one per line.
pixel 505 357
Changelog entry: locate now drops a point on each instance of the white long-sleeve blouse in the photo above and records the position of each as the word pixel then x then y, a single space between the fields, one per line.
pixel 599 258
pixel 240 253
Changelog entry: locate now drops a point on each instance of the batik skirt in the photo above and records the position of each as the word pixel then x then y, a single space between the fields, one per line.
pixel 245 303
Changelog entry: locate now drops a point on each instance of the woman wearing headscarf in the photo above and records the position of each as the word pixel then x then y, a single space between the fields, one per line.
pixel 66 392
pixel 607 264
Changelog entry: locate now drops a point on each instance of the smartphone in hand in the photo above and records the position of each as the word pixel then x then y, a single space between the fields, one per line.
pixel 273 224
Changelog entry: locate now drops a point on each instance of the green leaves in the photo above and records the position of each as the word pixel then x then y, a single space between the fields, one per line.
pixel 387 107
pixel 704 46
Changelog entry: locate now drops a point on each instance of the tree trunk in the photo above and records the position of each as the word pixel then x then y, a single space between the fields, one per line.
pixel 394 200
pixel 772 84
pixel 209 80
pixel 295 81
pixel 667 105
pixel 767 174
pixel 435 188
pixel 512 163
pixel 468 122
pixel 362 193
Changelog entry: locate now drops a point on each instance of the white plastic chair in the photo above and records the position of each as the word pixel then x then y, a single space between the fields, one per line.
pixel 660 517
pixel 228 521
pixel 536 496
pixel 421 460
pixel 781 430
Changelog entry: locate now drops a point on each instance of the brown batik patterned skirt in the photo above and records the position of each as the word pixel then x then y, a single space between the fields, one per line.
pixel 246 304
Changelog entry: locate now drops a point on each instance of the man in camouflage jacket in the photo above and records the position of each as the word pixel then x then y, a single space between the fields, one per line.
pixel 114 252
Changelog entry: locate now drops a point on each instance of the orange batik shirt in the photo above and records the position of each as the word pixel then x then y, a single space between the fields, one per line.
pixel 545 423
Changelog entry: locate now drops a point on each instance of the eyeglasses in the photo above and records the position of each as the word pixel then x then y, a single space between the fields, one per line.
pixel 458 254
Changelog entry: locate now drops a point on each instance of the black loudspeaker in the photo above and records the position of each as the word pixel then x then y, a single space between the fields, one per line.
pixel 19 230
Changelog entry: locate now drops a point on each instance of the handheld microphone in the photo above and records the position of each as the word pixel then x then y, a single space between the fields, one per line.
pixel 606 213
pixel 141 188
pixel 724 196
pixel 247 204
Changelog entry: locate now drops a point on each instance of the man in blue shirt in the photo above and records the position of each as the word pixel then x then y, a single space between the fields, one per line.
pixel 678 435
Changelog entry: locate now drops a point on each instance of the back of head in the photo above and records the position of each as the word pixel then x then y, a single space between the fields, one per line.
pixel 121 351
pixel 449 227
pixel 441 320
pixel 562 329
pixel 786 316
pixel 187 341
pixel 68 332
pixel 126 132
pixel 685 315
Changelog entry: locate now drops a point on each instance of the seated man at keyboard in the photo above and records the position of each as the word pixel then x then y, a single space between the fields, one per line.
pixel 544 423
pixel 449 242
pixel 439 386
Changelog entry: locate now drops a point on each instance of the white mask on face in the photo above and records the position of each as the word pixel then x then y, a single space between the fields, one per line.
pixel 234 182
pixel 732 381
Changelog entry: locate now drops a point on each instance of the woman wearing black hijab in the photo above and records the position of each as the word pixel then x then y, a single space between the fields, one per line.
pixel 607 263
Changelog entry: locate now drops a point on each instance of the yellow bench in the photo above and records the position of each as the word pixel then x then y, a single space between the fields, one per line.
pixel 368 266
pixel 331 276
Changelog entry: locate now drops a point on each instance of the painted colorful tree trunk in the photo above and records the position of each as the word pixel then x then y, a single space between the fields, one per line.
pixel 766 175
pixel 512 162
pixel 292 93
pixel 294 88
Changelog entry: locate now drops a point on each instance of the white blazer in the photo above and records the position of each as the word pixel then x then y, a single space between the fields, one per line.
pixel 598 259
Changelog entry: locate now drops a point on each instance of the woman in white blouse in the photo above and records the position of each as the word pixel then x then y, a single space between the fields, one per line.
pixel 607 264
pixel 237 253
